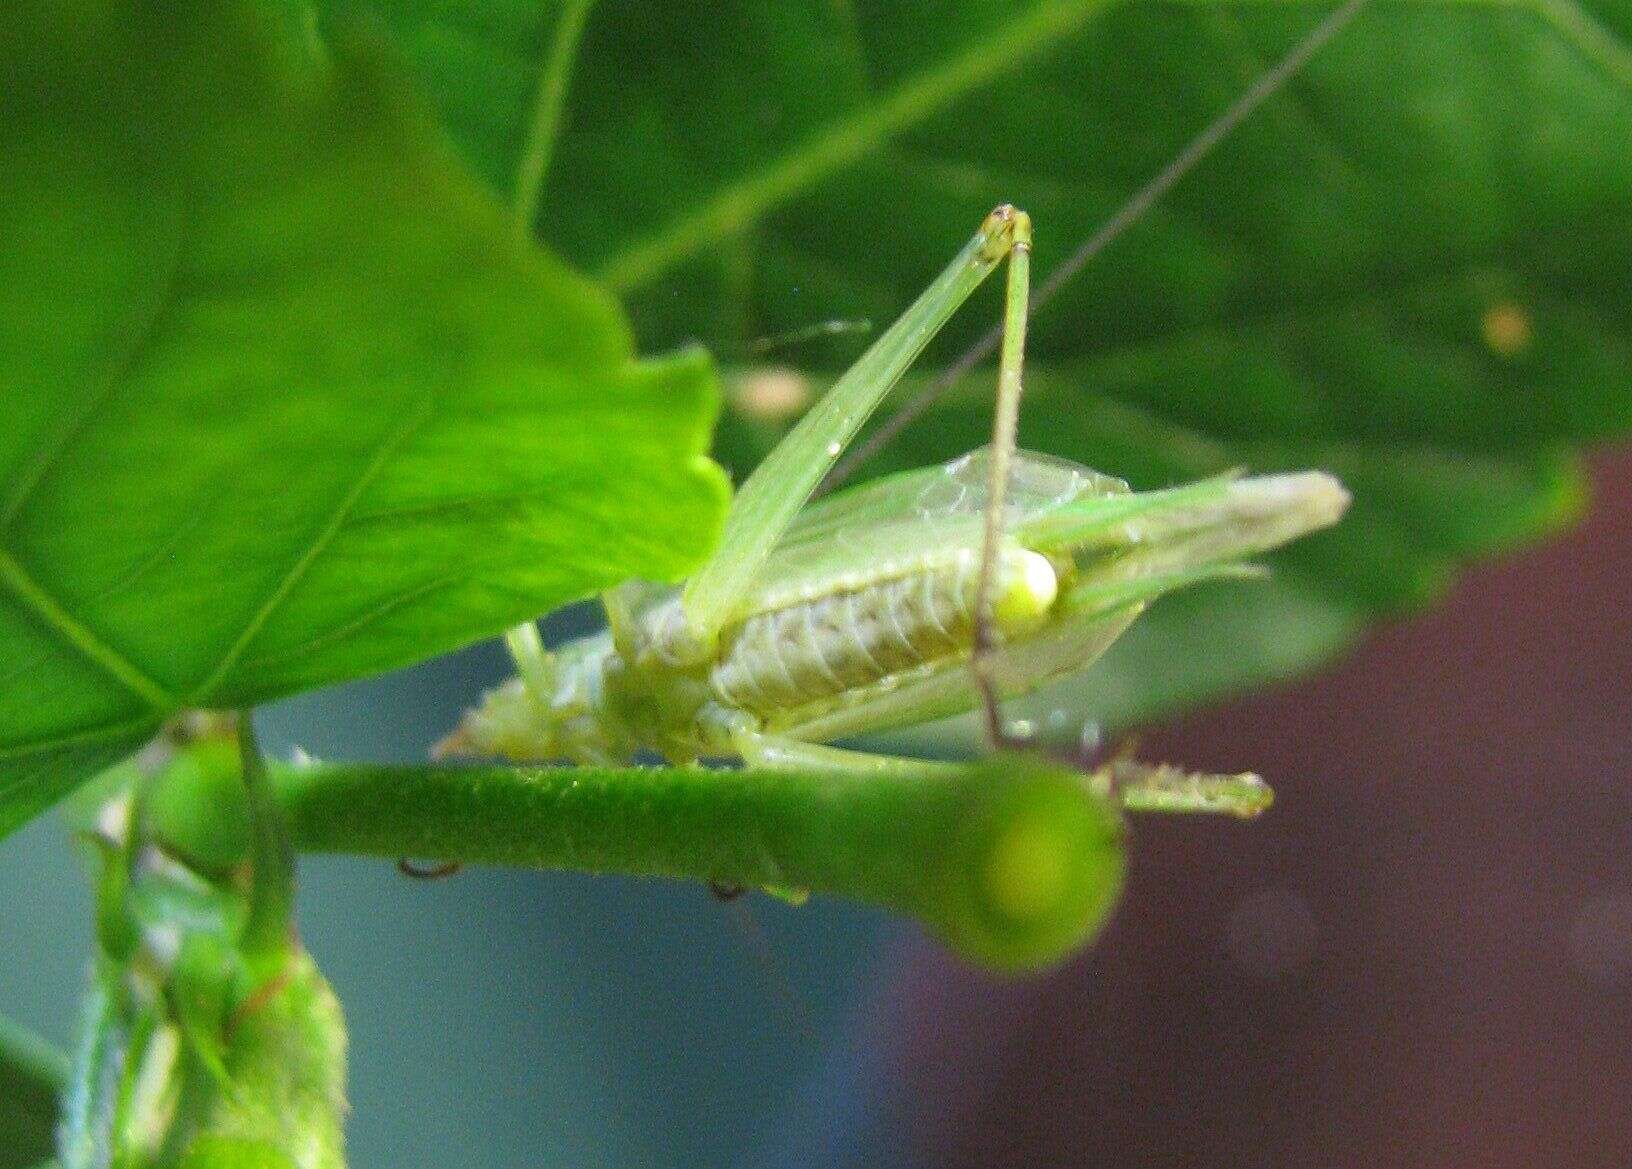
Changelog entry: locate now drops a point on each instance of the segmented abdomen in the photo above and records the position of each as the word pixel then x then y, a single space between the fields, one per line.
pixel 830 644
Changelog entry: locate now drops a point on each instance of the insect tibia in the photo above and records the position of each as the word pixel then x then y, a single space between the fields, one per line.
pixel 1004 229
pixel 534 663
pixel 1161 787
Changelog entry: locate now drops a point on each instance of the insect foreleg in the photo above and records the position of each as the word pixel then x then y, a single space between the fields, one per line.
pixel 1161 787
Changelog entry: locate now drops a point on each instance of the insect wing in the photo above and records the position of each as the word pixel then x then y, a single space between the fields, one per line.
pixel 910 522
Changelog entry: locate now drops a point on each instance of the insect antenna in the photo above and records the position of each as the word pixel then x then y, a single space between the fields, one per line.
pixel 1005 428
pixel 837 327
pixel 1271 82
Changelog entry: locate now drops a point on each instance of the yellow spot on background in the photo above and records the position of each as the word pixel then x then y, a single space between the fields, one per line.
pixel 1507 329
pixel 772 393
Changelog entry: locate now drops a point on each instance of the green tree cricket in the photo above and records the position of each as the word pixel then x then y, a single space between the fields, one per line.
pixel 920 595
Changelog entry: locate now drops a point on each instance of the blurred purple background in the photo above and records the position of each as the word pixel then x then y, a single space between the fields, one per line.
pixel 1421 957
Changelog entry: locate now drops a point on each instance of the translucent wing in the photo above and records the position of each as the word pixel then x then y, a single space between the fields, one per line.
pixel 908 522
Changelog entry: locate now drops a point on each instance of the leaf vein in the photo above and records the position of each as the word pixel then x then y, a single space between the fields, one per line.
pixel 739 204
pixel 331 527
pixel 549 106
pixel 118 368
pixel 361 621
pixel 46 609
pixel 84 738
pixel 1591 39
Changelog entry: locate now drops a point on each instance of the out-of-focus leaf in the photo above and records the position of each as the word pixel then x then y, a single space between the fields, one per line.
pixel 32 1074
pixel 287 402
pixel 1409 267
pixel 207 1038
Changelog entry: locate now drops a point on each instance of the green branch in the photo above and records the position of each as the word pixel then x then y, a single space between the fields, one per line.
pixel 1011 862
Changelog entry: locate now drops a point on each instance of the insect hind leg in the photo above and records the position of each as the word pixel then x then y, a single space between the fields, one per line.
pixel 1005 428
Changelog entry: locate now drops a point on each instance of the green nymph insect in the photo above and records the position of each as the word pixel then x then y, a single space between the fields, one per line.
pixel 920 595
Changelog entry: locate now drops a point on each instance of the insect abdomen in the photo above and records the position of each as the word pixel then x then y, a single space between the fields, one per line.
pixel 827 645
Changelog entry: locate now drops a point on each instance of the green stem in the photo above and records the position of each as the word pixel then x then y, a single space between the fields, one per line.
pixel 1013 862
pixel 549 102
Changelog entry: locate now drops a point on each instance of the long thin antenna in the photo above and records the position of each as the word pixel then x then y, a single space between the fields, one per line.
pixel 1138 204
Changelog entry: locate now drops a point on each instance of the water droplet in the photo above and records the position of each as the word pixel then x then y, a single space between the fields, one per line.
pixel 833 449
pixel 1020 728
pixel 1091 739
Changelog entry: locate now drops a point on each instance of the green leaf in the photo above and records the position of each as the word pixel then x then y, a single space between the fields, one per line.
pixel 32 1074
pixel 1408 267
pixel 287 401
